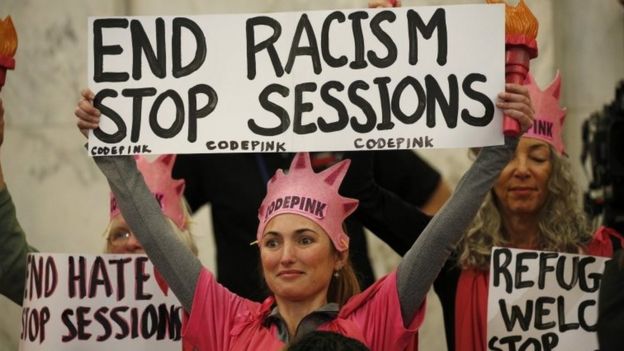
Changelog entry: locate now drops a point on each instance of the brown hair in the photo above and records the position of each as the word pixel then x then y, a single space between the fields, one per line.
pixel 343 287
pixel 346 284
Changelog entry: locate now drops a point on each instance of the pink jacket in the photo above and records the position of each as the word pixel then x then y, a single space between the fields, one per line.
pixel 221 320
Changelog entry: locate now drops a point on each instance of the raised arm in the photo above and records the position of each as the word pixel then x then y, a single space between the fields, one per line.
pixel 13 250
pixel 423 261
pixel 13 245
pixel 172 258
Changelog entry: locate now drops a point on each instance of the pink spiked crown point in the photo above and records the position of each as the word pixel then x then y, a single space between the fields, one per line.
pixel 167 191
pixel 309 194
pixel 549 115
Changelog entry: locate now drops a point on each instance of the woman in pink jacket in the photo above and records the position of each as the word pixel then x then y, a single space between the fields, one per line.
pixel 304 253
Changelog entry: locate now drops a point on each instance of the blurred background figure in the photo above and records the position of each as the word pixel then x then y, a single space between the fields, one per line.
pixel 611 305
pixel 13 244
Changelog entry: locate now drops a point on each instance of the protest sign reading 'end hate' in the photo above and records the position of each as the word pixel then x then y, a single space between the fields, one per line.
pixel 98 302
pixel 304 81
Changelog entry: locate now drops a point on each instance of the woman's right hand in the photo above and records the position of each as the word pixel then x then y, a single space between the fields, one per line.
pixel 516 103
pixel 88 116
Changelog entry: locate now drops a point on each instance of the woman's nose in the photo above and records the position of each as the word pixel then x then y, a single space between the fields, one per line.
pixel 521 169
pixel 288 254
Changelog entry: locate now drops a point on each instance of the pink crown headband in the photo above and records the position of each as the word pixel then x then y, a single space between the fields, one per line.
pixel 167 191
pixel 549 115
pixel 309 194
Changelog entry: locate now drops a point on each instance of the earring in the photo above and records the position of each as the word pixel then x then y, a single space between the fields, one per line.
pixel 336 274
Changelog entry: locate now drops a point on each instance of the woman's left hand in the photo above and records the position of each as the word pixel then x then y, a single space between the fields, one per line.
pixel 516 103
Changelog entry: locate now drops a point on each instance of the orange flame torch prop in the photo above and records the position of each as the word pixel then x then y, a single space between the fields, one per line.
pixel 8 46
pixel 520 47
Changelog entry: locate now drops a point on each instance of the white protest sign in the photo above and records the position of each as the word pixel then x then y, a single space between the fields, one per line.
pixel 103 302
pixel 399 78
pixel 542 300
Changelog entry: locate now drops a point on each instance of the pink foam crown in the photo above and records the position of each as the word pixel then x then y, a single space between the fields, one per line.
pixel 167 191
pixel 549 115
pixel 309 194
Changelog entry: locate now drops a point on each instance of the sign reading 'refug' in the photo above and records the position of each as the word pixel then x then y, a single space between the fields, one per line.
pixel 542 300
pixel 423 77
pixel 98 302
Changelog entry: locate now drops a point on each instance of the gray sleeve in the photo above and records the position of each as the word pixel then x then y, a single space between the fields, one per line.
pixel 172 258
pixel 422 263
pixel 13 250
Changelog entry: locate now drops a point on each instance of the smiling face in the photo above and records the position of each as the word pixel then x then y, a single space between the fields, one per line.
pixel 522 187
pixel 298 259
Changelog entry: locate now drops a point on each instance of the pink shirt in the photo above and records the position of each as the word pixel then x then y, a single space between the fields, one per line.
pixel 373 317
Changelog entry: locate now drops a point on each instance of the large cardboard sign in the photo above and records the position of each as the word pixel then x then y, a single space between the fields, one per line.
pixel 542 300
pixel 104 302
pixel 423 77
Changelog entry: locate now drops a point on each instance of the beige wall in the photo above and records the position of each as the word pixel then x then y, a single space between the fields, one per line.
pixel 62 199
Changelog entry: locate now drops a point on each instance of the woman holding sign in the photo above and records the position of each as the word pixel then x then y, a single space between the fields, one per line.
pixel 14 247
pixel 533 205
pixel 304 254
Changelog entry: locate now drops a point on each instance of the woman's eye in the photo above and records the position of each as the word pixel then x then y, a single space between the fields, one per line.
pixel 306 240
pixel 270 243
pixel 120 235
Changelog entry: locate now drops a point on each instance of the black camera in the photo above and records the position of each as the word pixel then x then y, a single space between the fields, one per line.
pixel 603 144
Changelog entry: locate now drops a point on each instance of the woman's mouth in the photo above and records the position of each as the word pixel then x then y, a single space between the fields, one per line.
pixel 289 274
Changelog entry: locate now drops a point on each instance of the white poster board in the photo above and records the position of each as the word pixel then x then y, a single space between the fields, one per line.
pixel 402 78
pixel 97 302
pixel 542 300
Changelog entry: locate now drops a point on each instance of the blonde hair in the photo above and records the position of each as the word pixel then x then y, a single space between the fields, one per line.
pixel 562 225
pixel 185 235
